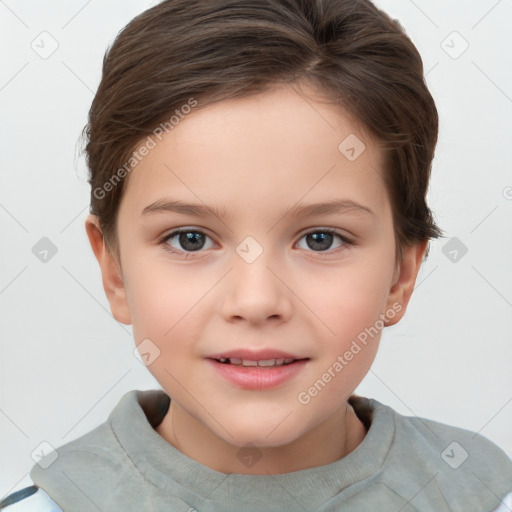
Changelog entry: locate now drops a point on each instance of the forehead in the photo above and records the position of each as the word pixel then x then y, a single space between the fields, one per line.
pixel 273 149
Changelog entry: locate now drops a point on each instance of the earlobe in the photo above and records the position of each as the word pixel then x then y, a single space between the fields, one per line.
pixel 110 272
pixel 403 285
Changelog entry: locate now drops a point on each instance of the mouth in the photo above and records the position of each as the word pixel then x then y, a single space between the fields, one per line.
pixel 260 358
pixel 261 363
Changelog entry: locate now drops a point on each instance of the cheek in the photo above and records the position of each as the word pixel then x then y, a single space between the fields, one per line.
pixel 349 299
pixel 166 308
pixel 166 303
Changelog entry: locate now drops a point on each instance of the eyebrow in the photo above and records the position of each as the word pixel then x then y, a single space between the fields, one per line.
pixel 298 210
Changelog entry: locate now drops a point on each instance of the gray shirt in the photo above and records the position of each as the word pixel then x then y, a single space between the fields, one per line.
pixel 404 464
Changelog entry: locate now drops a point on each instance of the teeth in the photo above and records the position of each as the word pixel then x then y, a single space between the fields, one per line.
pixel 268 362
pixel 248 362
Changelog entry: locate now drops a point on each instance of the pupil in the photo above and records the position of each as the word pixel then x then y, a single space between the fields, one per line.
pixel 319 241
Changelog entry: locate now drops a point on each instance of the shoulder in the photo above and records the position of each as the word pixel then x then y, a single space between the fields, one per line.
pixel 29 499
pixel 460 468
pixel 451 447
pixel 454 447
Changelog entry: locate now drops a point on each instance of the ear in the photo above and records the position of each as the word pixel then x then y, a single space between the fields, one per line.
pixel 404 280
pixel 111 273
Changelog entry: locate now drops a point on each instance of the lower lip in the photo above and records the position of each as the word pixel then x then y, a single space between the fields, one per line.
pixel 257 377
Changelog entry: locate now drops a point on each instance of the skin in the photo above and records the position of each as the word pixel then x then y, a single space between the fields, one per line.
pixel 257 157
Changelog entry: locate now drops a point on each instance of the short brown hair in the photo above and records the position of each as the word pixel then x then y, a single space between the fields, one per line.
pixel 212 50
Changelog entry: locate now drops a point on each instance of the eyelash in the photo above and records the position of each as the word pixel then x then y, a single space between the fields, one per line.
pixel 163 241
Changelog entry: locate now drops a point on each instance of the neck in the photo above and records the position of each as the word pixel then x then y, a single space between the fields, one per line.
pixel 326 443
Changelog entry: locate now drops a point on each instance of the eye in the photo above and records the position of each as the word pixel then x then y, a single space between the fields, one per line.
pixel 186 241
pixel 322 240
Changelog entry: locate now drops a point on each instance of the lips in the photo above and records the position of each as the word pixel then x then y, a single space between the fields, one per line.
pixel 258 369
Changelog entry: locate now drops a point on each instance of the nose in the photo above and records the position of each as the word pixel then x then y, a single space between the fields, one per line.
pixel 256 292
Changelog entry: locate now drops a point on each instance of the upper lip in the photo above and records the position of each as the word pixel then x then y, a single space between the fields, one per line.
pixel 255 355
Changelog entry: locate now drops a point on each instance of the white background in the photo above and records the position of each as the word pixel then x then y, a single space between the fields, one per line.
pixel 65 362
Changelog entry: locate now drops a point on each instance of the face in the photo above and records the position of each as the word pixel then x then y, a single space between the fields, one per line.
pixel 288 253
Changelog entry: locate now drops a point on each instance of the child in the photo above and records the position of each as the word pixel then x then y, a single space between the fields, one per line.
pixel 258 176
